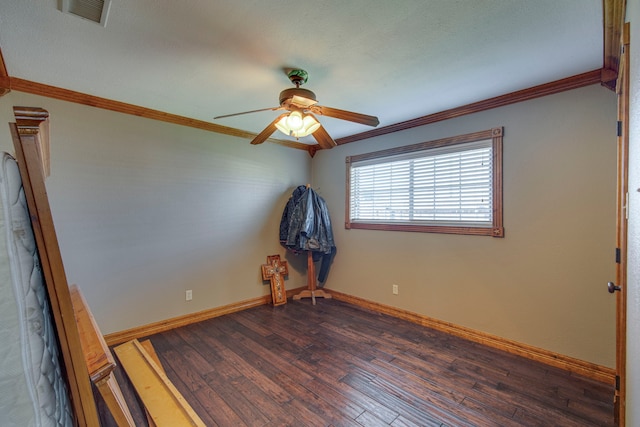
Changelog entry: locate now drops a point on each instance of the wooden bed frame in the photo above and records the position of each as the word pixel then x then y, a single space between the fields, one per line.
pixel 30 139
pixel 99 360
pixel 86 357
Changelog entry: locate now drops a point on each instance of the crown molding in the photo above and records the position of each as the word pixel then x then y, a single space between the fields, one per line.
pixel 27 86
pixel 573 82
pixel 613 21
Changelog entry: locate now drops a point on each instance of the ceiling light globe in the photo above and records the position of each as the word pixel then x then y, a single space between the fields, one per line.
pixel 294 121
pixel 309 125
pixel 281 125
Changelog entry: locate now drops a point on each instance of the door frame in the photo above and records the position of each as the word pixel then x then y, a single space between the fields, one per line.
pixel 622 90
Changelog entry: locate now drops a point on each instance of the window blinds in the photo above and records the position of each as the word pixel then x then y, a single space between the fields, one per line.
pixel 440 186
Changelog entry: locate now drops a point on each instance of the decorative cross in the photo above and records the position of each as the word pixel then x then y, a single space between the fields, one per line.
pixel 274 271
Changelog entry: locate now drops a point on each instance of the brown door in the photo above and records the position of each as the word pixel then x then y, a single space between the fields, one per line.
pixel 619 288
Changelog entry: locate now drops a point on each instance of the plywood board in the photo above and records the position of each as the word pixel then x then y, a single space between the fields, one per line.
pixel 165 404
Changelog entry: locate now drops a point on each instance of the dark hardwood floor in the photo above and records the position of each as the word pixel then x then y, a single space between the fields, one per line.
pixel 334 364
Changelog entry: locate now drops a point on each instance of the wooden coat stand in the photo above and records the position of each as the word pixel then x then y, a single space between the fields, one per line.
pixel 312 290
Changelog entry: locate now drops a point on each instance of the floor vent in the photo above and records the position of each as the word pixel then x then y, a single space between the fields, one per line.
pixel 93 10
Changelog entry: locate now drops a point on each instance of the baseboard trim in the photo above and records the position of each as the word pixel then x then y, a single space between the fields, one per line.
pixel 139 332
pixel 577 366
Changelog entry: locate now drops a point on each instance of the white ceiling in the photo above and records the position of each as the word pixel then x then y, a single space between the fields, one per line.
pixel 397 60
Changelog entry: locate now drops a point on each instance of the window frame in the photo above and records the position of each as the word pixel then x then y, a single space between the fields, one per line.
pixel 496 229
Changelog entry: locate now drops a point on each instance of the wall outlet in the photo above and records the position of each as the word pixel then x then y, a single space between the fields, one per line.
pixel 394 289
pixel 189 295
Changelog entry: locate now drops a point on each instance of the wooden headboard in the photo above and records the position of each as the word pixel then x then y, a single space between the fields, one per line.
pixel 86 356
pixel 30 139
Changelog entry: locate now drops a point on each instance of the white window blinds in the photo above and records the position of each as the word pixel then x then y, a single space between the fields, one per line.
pixel 450 185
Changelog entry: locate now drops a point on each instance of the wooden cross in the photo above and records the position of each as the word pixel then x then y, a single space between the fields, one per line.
pixel 274 271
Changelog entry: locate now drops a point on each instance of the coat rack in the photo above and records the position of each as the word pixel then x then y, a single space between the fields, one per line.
pixel 312 290
pixel 323 235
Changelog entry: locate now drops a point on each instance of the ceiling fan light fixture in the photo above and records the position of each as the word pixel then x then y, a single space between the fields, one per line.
pixel 298 101
pixel 295 121
pixel 309 126
pixel 281 125
pixel 297 125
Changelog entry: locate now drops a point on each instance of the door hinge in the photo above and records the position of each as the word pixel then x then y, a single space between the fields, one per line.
pixel 619 131
pixel 618 382
pixel 617 255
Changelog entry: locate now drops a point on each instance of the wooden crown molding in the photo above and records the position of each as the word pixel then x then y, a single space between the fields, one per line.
pixel 573 82
pixel 613 12
pixel 613 22
pixel 592 77
pixel 22 85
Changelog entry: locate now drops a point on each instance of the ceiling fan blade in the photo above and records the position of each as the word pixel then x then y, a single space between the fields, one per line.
pixel 248 112
pixel 345 115
pixel 324 139
pixel 267 132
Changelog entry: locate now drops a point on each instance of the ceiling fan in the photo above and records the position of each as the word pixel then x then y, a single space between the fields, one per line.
pixel 299 120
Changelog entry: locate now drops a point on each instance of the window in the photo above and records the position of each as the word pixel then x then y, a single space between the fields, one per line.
pixel 452 185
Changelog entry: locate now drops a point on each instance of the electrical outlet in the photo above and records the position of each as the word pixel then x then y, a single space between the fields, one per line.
pixel 394 289
pixel 189 295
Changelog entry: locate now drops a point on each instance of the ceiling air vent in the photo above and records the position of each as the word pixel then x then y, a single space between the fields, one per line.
pixel 93 10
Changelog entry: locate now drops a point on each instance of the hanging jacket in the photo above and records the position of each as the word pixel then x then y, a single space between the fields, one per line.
pixel 310 224
pixel 306 226
pixel 288 212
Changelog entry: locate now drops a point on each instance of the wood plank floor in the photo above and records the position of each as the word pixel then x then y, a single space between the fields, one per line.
pixel 334 364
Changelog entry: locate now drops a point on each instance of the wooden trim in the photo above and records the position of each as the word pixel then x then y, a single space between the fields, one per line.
pixel 4 77
pixel 99 360
pixel 436 143
pixel 112 394
pixel 5 85
pixel 622 201
pixel 574 82
pixel 347 194
pixel 36 120
pixel 438 229
pixel 496 229
pixel 587 369
pixel 612 26
pixel 25 140
pixel 3 66
pixel 498 211
pixel 176 322
pixel 585 79
pixel 160 397
pixel 40 89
